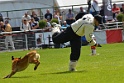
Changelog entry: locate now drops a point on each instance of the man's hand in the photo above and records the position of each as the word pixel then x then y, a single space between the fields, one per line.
pixel 97 45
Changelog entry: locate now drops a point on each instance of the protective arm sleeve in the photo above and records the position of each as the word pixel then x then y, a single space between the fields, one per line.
pixel 88 35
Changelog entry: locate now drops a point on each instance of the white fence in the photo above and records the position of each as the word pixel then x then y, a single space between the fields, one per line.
pixel 110 25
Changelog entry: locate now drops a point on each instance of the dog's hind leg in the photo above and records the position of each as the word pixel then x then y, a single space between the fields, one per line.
pixel 36 62
pixel 12 73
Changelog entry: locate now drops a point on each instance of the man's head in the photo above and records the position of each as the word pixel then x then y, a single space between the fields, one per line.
pixel 81 8
pixel 114 5
pixel 6 21
pixel 33 13
pixel 26 14
pixel 25 20
pixel 32 19
pixel 48 11
pixel 98 19
pixel 64 22
pixel 69 10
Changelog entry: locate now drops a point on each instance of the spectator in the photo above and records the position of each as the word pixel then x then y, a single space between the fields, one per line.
pixel 8 37
pixel 102 11
pixel 70 17
pixel 48 15
pixel 82 10
pixel 34 15
pixel 65 24
pixel 34 24
pixel 26 16
pixel 48 24
pixel 122 8
pixel 89 6
pixel 25 25
pixel 81 13
pixel 57 16
pixel 115 11
pixel 94 8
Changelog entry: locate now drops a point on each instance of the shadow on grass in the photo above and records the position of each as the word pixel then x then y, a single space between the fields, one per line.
pixel 22 77
pixel 65 72
pixel 18 77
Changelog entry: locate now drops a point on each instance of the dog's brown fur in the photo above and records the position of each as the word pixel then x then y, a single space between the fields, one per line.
pixel 19 64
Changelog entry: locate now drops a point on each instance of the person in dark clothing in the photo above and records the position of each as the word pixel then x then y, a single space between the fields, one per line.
pixel 79 15
pixel 48 15
pixel 70 17
pixel 122 8
pixel 102 13
pixel 89 6
pixel 34 15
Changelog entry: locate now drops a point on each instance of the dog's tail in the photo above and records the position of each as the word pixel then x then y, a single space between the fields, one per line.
pixel 37 56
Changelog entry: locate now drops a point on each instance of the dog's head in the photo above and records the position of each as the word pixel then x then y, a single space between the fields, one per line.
pixel 15 59
pixel 56 25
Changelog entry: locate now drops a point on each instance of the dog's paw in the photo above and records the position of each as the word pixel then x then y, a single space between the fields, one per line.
pixel 35 68
pixel 6 77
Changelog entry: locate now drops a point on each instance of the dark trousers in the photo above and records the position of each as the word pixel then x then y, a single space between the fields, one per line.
pixel 95 13
pixel 69 22
pixel 75 41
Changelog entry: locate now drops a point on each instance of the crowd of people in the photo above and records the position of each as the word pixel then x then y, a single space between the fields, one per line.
pixel 28 22
pixel 94 9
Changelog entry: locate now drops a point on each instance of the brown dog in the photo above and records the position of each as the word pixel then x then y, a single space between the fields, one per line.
pixel 19 64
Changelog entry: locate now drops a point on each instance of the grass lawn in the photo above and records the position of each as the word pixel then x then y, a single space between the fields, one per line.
pixel 107 67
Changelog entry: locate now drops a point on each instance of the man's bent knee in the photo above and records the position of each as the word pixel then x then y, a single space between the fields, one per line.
pixel 55 39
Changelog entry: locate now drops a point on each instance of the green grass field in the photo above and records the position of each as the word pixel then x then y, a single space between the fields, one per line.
pixel 107 67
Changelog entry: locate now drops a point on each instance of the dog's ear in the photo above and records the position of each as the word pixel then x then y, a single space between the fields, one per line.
pixel 20 58
pixel 12 57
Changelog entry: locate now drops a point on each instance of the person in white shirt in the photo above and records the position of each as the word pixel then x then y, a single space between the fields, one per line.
pixel 83 26
pixel 25 26
pixel 94 8
pixel 26 16
pixel 57 16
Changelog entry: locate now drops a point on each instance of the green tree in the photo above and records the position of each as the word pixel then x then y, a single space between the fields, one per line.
pixel 120 17
pixel 42 24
